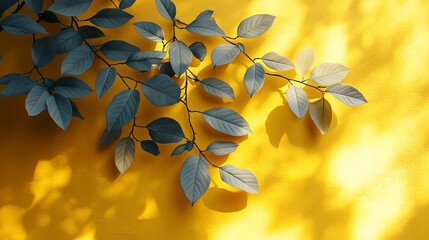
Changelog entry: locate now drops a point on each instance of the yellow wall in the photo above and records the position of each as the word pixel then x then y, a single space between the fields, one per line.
pixel 366 179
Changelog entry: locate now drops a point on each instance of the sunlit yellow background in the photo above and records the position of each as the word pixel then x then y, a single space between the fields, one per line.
pixel 366 179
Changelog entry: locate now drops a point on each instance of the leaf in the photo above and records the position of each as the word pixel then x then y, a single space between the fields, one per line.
pixel 165 130
pixel 49 83
pixel 126 3
pixel 150 30
pixel 347 94
pixel 35 102
pixel 72 87
pixel 180 57
pixel 49 17
pixel 166 69
pixel 220 148
pixel 110 18
pixel 90 32
pixel 217 88
pixel 180 149
pixel 19 24
pixel 34 5
pixel 70 7
pixel 166 8
pixel 329 73
pixel 122 109
pixel 321 114
pixel 60 110
pixel 189 145
pixel 224 53
pixel 204 25
pixel 143 61
pixel 118 50
pixel 161 90
pixel 9 78
pixel 254 78
pixel 78 61
pixel 227 121
pixel 199 50
pixel 20 84
pixel 304 61
pixel 194 178
pixel 66 40
pixel 6 4
pixel 255 25
pixel 75 111
pixel 109 137
pixel 124 154
pixel 240 178
pixel 105 80
pixel 43 51
pixel 277 62
pixel 150 147
pixel 297 100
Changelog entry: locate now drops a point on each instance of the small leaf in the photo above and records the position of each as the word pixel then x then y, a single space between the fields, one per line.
pixel 110 18
pixel 19 24
pixel 227 121
pixel 297 100
pixel 78 61
pixel 220 148
pixel 217 88
pixel 34 5
pixel 43 51
pixel 35 102
pixel 254 78
pixel 255 25
pixel 304 61
pixel 240 178
pixel 150 30
pixel 60 110
pixel 70 7
pixel 75 110
pixel 150 147
pixel 321 114
pixel 49 17
pixel 126 3
pixel 143 61
pixel 189 145
pixel 161 90
pixel 105 80
pixel 122 109
pixel 277 62
pixel 180 57
pixel 179 149
pixel 329 73
pixel 165 130
pixel 6 4
pixel 124 154
pixel 224 53
pixel 204 25
pixel 166 8
pixel 194 178
pixel 66 40
pixel 109 137
pixel 19 84
pixel 72 87
pixel 166 69
pixel 90 32
pixel 199 50
pixel 346 94
pixel 118 50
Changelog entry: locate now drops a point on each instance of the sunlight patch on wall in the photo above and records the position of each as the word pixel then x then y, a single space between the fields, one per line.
pixel 332 44
pixel 11 223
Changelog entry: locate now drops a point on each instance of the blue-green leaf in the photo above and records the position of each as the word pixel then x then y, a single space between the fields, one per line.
pixel 126 3
pixel 72 87
pixel 217 88
pixel 224 54
pixel 297 100
pixel 110 18
pixel 166 8
pixel 49 17
pixel 143 61
pixel 255 25
pixel 165 130
pixel 6 4
pixel 199 50
pixel 19 24
pixel 105 80
pixel 109 137
pixel 346 94
pixel 34 5
pixel 254 78
pixel 180 57
pixel 35 102
pixel 19 84
pixel 124 154
pixel 90 32
pixel 43 51
pixel 67 39
pixel 9 78
pixel 166 68
pixel 150 30
pixel 179 149
pixel 49 83
pixel 118 50
pixel 150 146
pixel 70 7
pixel 277 62
pixel 161 90
pixel 204 25
pixel 75 110
pixel 78 61
pixel 60 110
pixel 227 121
pixel 194 178
pixel 220 148
pixel 240 178
pixel 122 109
pixel 321 114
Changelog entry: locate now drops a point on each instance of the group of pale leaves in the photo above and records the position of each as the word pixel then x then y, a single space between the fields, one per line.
pixel 161 89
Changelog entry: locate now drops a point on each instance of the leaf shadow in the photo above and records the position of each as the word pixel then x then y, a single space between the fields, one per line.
pixel 215 199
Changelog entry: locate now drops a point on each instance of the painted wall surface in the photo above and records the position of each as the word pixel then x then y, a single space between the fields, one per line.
pixel 366 179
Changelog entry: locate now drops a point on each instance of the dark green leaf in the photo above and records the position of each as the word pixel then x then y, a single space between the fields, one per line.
pixel 70 7
pixel 166 8
pixel 254 78
pixel 144 61
pixel 75 110
pixel 35 102
pixel 189 145
pixel 346 94
pixel 78 61
pixel 199 50
pixel 126 3
pixel 49 17
pixel 105 80
pixel 49 83
pixel 240 178
pixel 150 30
pixel 180 149
pixel 321 114
pixel 124 154
pixel 122 109
pixel 277 62
pixel 166 69
pixel 110 18
pixel 255 25
pixel 43 51
pixel 194 178
pixel 227 121
pixel 60 110
pixel 19 24
pixel 118 50
pixel 109 137
pixel 34 5
pixel 161 90
pixel 224 54
pixel 72 87
pixel 180 57
pixel 204 25
pixel 6 4
pixel 20 84
pixel 67 40
pixel 150 147
pixel 220 148
pixel 217 88
pixel 165 130
pixel 297 100
pixel 90 32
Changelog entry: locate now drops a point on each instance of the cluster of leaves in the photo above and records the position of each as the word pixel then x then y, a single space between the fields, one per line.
pixel 162 89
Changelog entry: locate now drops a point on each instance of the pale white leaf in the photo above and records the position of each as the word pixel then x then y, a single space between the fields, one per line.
pixel 329 73
pixel 304 61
